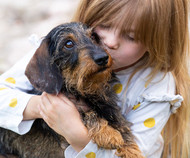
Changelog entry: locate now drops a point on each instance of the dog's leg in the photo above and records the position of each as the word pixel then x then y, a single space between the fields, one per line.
pixel 101 133
pixel 107 137
pixel 129 151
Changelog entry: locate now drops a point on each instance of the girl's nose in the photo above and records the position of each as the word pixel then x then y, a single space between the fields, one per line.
pixel 111 39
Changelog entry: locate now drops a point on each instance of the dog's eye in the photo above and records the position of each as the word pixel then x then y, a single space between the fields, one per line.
pixel 69 44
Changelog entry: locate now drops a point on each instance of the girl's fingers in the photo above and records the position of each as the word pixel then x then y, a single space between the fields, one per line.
pixel 66 99
pixel 79 104
pixel 44 101
pixel 46 109
pixel 44 117
pixel 52 101
pixel 45 105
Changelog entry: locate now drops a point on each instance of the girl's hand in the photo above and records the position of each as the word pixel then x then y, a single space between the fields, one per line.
pixel 63 117
pixel 31 111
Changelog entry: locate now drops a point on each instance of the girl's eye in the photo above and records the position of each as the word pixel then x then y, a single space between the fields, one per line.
pixel 129 37
pixel 105 26
pixel 95 37
pixel 69 44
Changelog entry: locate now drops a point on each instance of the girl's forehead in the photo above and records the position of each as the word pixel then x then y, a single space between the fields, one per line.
pixel 121 17
pixel 117 23
pixel 124 15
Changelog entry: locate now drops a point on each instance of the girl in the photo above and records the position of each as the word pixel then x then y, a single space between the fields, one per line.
pixel 148 41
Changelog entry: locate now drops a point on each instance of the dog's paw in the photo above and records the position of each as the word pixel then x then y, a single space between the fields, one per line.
pixel 131 151
pixel 107 137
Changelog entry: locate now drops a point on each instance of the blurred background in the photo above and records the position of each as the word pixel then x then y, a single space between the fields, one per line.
pixel 19 19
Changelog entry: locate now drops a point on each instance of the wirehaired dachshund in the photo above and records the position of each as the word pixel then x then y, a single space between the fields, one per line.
pixel 71 60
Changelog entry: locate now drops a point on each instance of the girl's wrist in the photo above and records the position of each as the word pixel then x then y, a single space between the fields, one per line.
pixel 32 110
pixel 79 140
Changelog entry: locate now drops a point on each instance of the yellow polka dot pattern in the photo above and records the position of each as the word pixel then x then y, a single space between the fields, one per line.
pixel 91 155
pixel 2 88
pixel 146 84
pixel 150 122
pixel 11 80
pixel 13 102
pixel 136 106
pixel 118 88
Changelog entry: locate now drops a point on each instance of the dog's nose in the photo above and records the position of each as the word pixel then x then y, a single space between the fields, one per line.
pixel 101 58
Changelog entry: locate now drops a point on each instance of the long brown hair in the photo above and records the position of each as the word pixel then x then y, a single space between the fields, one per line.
pixel 162 26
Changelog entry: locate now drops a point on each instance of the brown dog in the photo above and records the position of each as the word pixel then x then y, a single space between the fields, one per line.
pixel 70 60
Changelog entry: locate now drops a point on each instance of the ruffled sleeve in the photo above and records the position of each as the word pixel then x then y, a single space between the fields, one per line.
pixel 151 107
pixel 149 117
pixel 148 106
pixel 174 100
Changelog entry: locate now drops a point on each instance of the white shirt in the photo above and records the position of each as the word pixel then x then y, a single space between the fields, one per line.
pixel 146 106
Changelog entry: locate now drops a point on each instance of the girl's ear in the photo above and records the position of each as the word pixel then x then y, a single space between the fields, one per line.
pixel 44 75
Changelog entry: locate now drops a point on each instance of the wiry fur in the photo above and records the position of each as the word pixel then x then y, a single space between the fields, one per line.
pixel 70 60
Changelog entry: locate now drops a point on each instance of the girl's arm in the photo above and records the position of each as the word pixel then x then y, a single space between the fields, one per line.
pixel 148 117
pixel 147 120
pixel 31 111
pixel 14 97
pixel 61 115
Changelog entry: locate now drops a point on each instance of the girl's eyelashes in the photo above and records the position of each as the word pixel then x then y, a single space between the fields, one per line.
pixel 105 26
pixel 129 37
pixel 95 37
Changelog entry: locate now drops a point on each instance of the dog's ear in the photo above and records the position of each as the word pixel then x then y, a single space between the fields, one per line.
pixel 42 74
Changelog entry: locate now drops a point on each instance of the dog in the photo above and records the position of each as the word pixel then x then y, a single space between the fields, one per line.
pixel 71 60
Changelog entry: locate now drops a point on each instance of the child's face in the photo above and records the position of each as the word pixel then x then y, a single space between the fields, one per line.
pixel 124 50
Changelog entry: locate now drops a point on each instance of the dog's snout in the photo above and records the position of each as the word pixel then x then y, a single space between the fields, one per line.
pixel 100 58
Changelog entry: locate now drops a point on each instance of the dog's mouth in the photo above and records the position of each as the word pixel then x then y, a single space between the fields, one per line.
pixel 101 75
pixel 101 70
pixel 90 79
pixel 94 82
